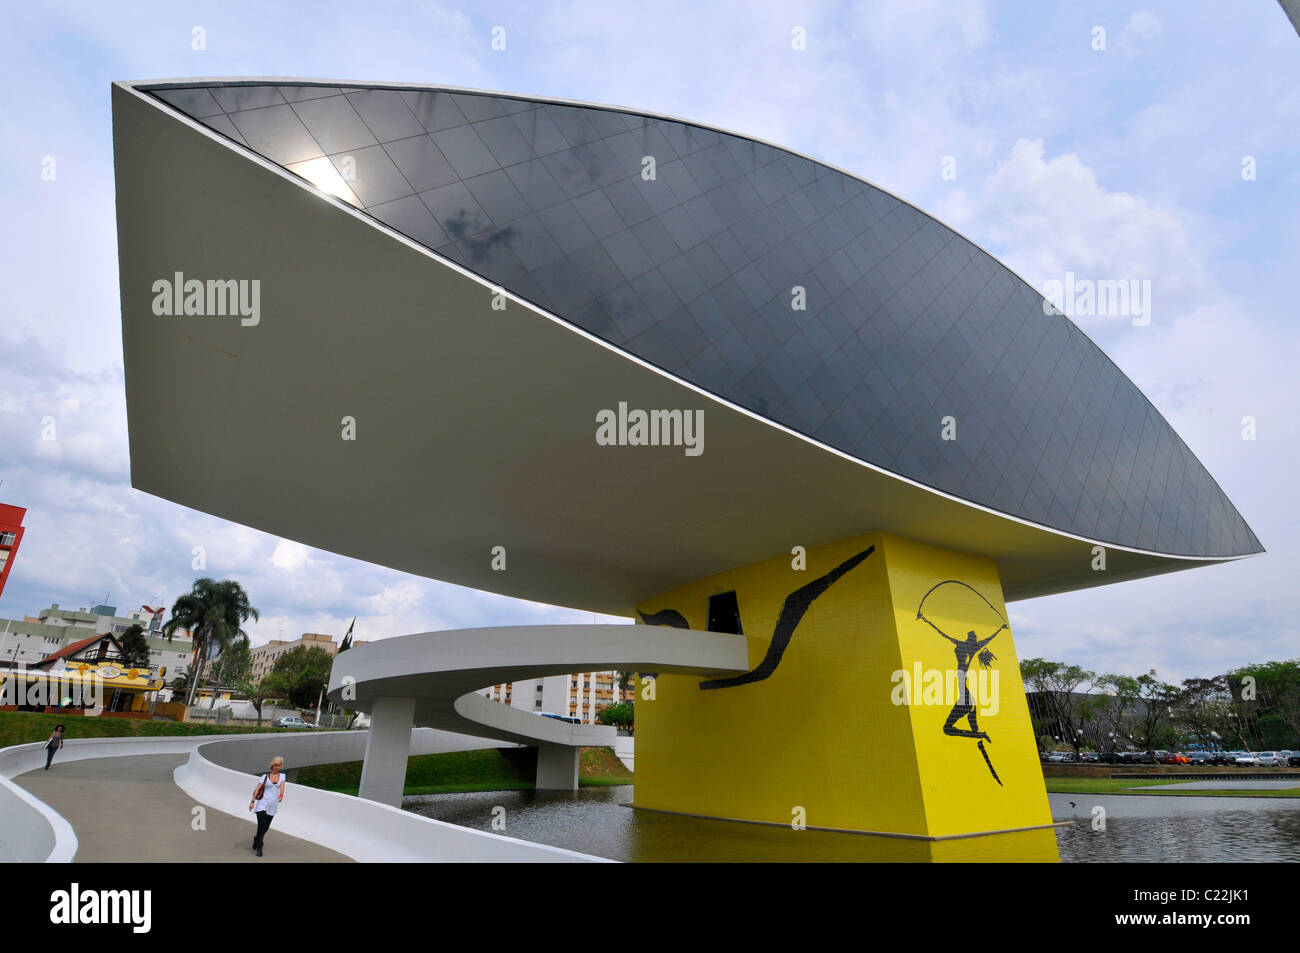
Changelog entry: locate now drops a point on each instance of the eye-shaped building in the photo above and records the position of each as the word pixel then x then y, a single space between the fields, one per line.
pixel 637 365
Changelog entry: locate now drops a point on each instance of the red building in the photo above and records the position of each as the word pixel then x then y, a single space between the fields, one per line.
pixel 11 534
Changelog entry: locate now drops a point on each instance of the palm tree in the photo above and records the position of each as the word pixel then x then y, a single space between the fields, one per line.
pixel 214 612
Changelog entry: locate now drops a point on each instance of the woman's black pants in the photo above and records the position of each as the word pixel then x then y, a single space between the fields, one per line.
pixel 49 756
pixel 263 825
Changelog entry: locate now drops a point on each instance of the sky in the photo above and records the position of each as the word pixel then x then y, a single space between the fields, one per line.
pixel 1154 141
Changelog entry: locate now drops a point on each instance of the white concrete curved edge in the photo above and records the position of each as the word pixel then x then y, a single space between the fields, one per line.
pixel 33 832
pixel 30 830
pixel 221 767
pixel 363 830
pixel 433 679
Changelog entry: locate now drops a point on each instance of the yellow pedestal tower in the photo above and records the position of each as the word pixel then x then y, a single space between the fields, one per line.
pixel 884 696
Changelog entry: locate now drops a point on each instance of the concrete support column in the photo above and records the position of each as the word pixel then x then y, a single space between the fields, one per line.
pixel 861 649
pixel 383 773
pixel 557 768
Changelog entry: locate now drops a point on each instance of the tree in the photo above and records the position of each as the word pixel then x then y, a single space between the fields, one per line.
pixel 620 715
pixel 135 647
pixel 1152 722
pixel 260 692
pixel 1202 709
pixel 302 673
pixel 1276 690
pixel 1112 716
pixel 214 613
pixel 1060 690
pixel 232 665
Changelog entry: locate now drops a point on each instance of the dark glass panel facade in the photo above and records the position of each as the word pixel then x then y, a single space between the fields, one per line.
pixel 699 268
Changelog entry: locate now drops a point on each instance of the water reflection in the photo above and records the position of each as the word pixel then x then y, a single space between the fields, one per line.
pixel 1161 828
pixel 596 821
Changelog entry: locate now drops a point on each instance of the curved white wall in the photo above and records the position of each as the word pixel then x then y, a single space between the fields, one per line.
pixel 30 830
pixel 363 830
pixel 219 774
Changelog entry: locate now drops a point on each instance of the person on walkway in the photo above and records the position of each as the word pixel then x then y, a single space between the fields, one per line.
pixel 266 798
pixel 53 745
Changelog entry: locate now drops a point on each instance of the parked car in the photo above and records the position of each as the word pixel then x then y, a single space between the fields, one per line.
pixel 1291 758
pixel 1268 759
pixel 1091 757
pixel 1248 758
pixel 291 721
pixel 1200 757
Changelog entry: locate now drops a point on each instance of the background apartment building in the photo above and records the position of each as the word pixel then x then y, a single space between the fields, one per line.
pixel 583 695
pixel 11 535
pixel 264 656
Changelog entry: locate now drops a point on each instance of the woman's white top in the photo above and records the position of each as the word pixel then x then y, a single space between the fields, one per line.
pixel 270 795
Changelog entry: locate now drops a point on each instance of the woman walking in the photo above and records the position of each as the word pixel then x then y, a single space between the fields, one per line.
pixel 266 797
pixel 54 744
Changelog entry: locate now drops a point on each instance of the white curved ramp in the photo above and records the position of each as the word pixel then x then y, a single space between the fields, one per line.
pixel 219 772
pixel 431 680
pixel 360 829
pixel 442 671
pixel 30 830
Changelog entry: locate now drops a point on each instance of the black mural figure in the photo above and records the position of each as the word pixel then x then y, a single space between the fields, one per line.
pixel 793 610
pixel 670 617
pixel 966 650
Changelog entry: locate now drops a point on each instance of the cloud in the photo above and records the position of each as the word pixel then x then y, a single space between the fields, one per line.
pixel 289 556
pixel 1050 216
pixel 1140 32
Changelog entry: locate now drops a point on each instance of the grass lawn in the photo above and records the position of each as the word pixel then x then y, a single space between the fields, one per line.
pixel 1125 786
pixel 24 727
pixel 507 769
pixel 492 769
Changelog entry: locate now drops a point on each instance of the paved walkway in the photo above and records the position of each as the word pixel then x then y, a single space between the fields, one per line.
pixel 130 809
